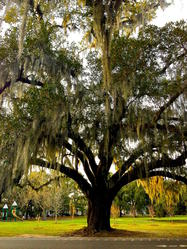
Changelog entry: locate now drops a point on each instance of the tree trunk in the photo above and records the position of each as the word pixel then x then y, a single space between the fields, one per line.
pixel 44 216
pixel 56 216
pixel 99 214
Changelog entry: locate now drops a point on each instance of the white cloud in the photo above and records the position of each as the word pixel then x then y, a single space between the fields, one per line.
pixel 175 12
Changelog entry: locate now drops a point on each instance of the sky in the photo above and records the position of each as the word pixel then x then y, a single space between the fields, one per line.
pixel 175 12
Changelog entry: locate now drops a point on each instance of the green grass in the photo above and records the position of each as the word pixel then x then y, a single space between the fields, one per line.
pixel 141 226
pixel 50 227
pixel 157 227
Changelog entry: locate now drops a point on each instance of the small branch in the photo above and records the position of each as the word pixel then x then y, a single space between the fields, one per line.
pixel 172 99
pixel 29 183
pixel 37 9
pixel 170 62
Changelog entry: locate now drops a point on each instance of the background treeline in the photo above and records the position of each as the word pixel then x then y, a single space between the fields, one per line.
pixel 48 195
pixel 156 197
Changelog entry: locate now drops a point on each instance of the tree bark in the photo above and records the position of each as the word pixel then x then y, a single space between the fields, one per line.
pixel 98 218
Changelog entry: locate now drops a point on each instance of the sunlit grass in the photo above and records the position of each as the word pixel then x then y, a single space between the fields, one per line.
pixel 49 227
pixel 157 227
pixel 163 227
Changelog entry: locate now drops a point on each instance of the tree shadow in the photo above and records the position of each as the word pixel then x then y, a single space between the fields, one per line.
pixel 112 233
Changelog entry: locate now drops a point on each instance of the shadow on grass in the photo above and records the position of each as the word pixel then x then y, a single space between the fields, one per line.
pixel 173 221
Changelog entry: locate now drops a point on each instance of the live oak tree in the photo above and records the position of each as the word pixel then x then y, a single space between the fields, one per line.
pixel 104 112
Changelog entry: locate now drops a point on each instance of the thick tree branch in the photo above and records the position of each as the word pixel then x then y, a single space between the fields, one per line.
pixel 167 162
pixel 126 166
pixel 84 148
pixel 6 85
pixel 24 80
pixel 81 156
pixel 117 5
pixel 30 82
pixel 169 175
pixel 105 152
pixel 71 173
pixel 164 163
pixel 141 170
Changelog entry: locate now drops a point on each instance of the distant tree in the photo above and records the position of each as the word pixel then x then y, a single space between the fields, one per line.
pixel 115 211
pixel 181 207
pixel 133 199
pixel 79 200
pixel 56 197
pixel 164 194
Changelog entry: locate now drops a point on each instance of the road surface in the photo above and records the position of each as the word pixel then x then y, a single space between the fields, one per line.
pixel 90 243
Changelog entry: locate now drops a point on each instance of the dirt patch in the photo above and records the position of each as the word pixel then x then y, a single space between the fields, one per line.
pixel 113 233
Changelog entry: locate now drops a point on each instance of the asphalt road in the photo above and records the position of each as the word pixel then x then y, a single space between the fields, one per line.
pixel 90 243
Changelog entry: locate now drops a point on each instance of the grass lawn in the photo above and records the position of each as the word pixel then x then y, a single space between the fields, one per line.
pixel 157 227
pixel 140 227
